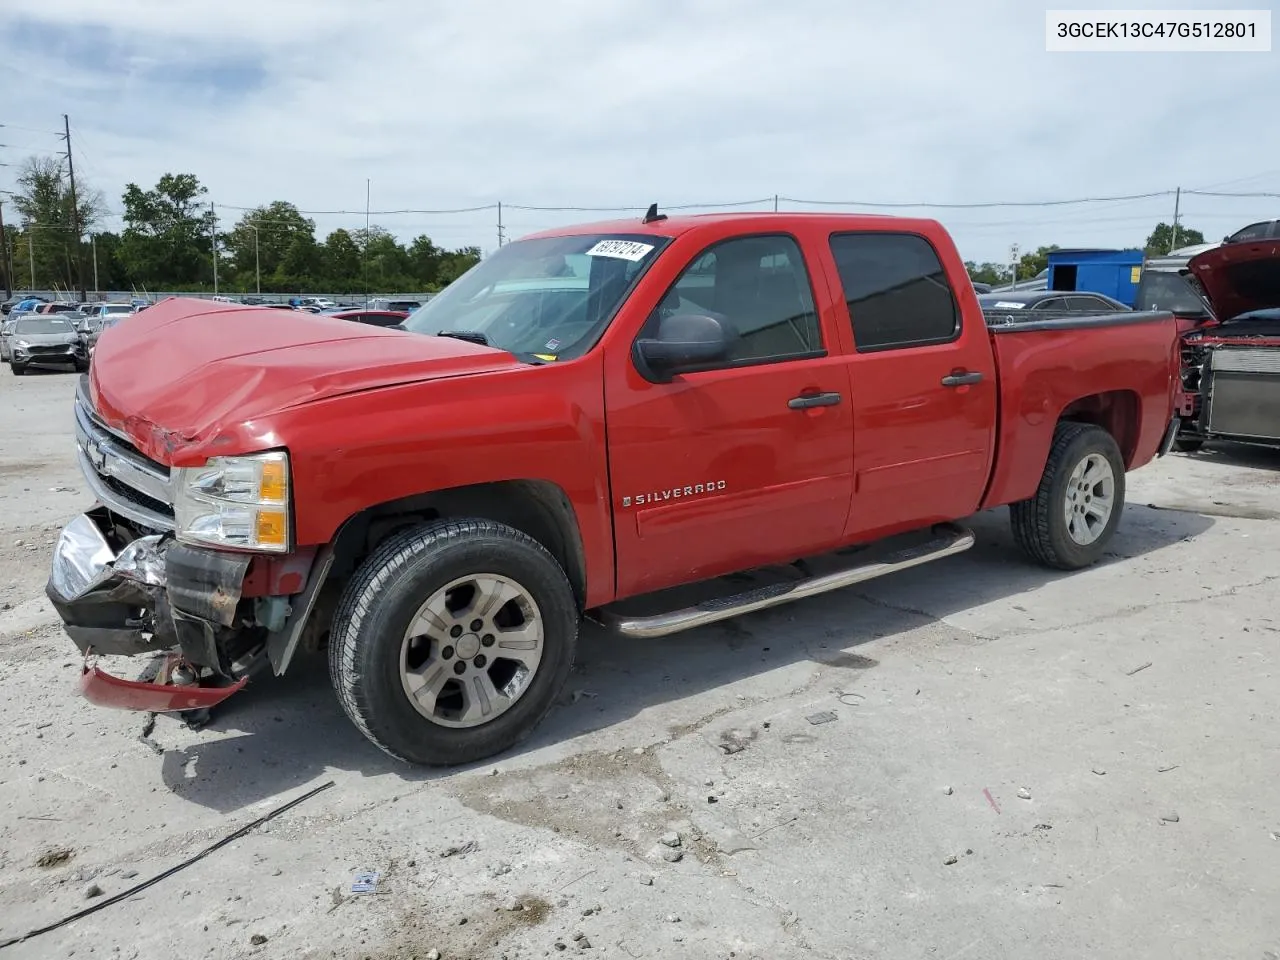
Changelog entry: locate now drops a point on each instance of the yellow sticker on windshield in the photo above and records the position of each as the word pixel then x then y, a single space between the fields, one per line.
pixel 549 357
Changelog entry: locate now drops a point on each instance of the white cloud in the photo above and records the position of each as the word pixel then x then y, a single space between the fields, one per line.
pixel 450 105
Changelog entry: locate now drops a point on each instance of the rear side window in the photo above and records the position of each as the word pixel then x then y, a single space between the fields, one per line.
pixel 896 289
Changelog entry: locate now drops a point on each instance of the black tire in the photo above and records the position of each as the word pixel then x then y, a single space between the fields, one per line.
pixel 18 369
pixel 378 605
pixel 1039 523
pixel 1187 444
pixel 82 366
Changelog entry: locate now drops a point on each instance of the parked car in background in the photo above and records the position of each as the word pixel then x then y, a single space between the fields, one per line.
pixel 1263 230
pixel 21 304
pixel 404 306
pixel 1044 304
pixel 1227 302
pixel 46 340
pixel 979 287
pixel 6 332
pixel 319 303
pixel 111 310
pixel 60 306
pixel 378 318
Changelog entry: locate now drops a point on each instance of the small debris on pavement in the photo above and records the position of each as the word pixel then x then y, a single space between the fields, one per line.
pixel 673 918
pixel 461 850
pixel 1024 793
pixel 92 890
pixel 825 716
pixel 366 882
pixel 1166 769
pixel 638 751
pixel 953 859
pixel 672 856
pixel 54 858
pixel 948 791
pixel 1099 771
pixel 1130 673
pixel 257 940
pixel 713 799
pixel 648 881
pixel 671 839
pixel 1169 817
pixel 513 905
pixel 433 954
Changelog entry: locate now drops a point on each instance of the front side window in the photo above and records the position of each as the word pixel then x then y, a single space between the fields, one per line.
pixel 1172 292
pixel 896 289
pixel 541 298
pixel 759 290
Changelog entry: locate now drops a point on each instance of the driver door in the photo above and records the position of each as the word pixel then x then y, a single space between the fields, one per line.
pixel 734 465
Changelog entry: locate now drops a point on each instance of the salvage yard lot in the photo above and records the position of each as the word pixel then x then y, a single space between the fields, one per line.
pixel 1134 703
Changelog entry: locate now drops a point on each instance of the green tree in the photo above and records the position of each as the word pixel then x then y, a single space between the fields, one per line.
pixel 1029 264
pixel 167 241
pixel 259 242
pixel 105 251
pixel 457 262
pixel 340 259
pixel 302 265
pixel 1162 239
pixel 43 203
pixel 992 273
pixel 424 262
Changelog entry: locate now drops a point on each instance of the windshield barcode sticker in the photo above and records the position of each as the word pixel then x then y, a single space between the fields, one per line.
pixel 621 249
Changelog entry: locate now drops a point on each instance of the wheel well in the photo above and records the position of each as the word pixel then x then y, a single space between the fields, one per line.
pixel 1116 411
pixel 535 507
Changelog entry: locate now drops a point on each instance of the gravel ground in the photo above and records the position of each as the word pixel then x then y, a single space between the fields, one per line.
pixel 972 759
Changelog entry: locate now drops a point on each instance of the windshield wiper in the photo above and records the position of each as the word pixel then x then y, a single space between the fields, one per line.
pixel 471 336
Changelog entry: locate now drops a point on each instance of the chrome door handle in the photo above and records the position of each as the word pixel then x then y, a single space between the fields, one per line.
pixel 961 379
pixel 807 400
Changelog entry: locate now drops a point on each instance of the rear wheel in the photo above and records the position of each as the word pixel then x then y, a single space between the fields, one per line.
pixel 1187 444
pixel 1074 513
pixel 452 641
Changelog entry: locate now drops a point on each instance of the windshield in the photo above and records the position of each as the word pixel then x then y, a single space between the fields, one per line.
pixel 544 298
pixel 117 308
pixel 44 325
pixel 1168 291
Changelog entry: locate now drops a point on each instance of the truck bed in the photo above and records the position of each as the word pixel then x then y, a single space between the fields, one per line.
pixel 1126 370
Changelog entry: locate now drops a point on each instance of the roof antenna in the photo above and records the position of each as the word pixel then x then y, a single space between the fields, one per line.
pixel 652 215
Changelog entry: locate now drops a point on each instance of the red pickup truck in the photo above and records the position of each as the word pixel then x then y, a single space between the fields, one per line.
pixel 615 420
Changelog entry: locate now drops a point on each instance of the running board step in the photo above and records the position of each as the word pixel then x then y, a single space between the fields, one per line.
pixel 948 539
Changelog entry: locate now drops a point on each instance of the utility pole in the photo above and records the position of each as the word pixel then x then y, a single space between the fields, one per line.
pixel 502 235
pixel 31 253
pixel 364 258
pixel 75 209
pixel 775 203
pixel 257 264
pixel 213 237
pixel 93 242
pixel 5 262
pixel 1177 202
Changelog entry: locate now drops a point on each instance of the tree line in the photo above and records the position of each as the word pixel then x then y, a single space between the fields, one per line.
pixel 168 241
pixel 167 244
pixel 1158 244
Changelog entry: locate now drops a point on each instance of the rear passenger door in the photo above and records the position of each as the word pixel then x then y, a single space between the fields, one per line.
pixel 923 384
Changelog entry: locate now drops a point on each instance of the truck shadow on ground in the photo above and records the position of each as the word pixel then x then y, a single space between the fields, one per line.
pixel 282 733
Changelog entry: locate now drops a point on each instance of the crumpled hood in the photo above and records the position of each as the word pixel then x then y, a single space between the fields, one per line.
pixel 176 372
pixel 1239 277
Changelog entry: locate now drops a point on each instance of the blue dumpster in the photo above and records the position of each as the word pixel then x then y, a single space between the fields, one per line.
pixel 1115 273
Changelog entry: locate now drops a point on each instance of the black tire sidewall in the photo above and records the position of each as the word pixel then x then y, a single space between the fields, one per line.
pixel 1091 441
pixel 392 720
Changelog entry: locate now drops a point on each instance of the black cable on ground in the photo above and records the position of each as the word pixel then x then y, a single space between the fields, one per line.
pixel 125 894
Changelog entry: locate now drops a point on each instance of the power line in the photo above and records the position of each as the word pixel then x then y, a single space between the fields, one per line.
pixel 980 205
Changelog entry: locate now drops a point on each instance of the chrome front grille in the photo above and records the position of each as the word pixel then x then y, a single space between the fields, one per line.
pixel 125 480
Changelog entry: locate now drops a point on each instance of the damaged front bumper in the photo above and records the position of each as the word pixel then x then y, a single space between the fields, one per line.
pixel 152 595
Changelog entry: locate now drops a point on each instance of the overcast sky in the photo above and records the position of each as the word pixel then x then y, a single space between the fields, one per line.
pixel 570 103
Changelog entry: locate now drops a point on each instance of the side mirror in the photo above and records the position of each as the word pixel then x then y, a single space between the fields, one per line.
pixel 683 341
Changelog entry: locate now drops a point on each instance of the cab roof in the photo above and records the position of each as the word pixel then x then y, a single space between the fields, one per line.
pixel 677 224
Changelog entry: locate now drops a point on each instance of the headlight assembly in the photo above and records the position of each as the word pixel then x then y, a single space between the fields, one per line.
pixel 237 502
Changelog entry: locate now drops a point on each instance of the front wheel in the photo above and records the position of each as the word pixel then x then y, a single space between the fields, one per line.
pixel 452 641
pixel 1074 513
pixel 18 369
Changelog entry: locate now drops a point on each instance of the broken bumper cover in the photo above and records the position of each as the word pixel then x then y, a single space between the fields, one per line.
pixel 105 690
pixel 152 596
